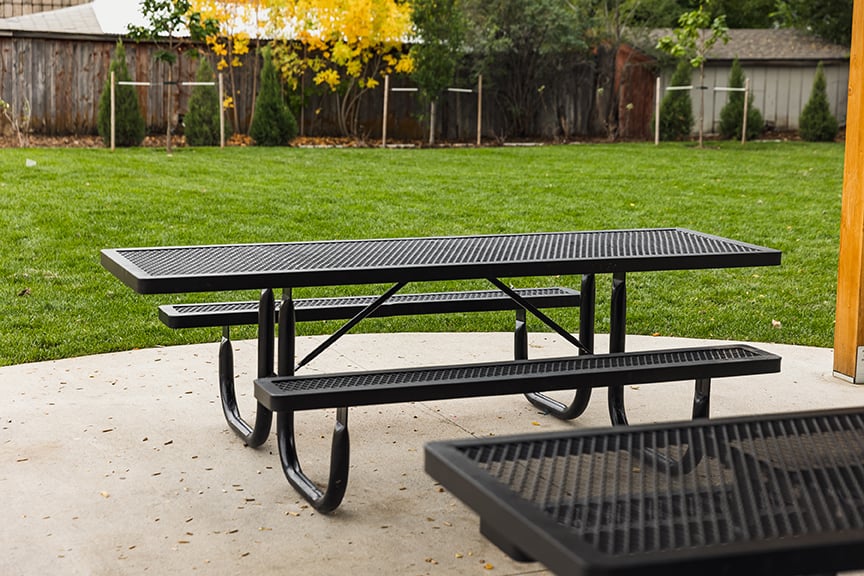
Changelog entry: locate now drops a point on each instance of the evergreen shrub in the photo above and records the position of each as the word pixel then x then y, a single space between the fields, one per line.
pixel 201 124
pixel 274 124
pixel 816 123
pixel 676 108
pixel 732 114
pixel 129 128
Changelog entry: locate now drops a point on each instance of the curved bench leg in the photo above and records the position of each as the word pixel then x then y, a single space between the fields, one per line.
pixel 674 466
pixel 329 499
pixel 702 398
pixel 693 454
pixel 253 437
pixel 559 409
pixel 582 397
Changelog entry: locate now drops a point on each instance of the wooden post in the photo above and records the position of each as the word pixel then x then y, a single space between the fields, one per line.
pixel 384 120
pixel 479 108
pixel 113 112
pixel 169 89
pixel 849 321
pixel 432 123
pixel 221 111
pixel 657 114
pixel 746 105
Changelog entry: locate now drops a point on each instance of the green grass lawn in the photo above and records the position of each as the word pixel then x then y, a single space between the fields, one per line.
pixel 57 301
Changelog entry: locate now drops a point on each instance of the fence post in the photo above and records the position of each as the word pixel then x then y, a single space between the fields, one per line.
pixel 479 108
pixel 657 114
pixel 113 105
pixel 746 104
pixel 221 111
pixel 432 123
pixel 384 120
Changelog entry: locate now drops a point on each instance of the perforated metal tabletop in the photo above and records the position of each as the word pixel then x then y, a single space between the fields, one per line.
pixel 780 494
pixel 297 264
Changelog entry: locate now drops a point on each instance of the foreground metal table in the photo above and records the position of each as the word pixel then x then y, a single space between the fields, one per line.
pixel 779 494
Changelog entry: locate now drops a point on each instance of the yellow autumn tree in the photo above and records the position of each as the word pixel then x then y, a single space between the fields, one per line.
pixel 240 23
pixel 346 46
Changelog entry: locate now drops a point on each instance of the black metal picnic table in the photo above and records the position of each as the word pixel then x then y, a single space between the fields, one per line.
pixel 287 265
pixel 777 494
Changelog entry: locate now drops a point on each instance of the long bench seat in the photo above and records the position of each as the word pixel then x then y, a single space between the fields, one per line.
pixel 342 308
pixel 287 394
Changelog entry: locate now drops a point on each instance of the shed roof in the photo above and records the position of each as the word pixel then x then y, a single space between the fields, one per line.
pixel 72 20
pixel 99 17
pixel 782 44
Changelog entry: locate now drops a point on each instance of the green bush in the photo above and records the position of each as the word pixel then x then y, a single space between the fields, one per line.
pixel 732 114
pixel 273 125
pixel 129 127
pixel 201 124
pixel 676 108
pixel 816 123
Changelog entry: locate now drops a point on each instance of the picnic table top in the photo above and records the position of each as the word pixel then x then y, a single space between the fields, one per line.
pixel 339 262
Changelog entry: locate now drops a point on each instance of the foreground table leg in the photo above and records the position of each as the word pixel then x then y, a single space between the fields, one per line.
pixel 586 337
pixel 256 436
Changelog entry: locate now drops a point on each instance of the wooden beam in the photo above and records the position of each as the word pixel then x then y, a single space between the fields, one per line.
pixel 849 322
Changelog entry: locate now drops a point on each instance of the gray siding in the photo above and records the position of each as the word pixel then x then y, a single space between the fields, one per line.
pixel 780 92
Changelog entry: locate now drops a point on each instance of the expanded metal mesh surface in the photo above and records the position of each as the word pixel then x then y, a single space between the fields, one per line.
pixel 410 252
pixel 311 303
pixel 799 476
pixel 509 369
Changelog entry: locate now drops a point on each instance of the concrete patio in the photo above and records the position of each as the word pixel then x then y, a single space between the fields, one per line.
pixel 123 464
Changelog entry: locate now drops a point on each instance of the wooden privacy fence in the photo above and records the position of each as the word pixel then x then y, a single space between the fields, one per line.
pixel 62 79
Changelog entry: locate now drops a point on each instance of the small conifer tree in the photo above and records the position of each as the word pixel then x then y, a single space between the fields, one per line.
pixel 676 108
pixel 202 122
pixel 130 128
pixel 732 114
pixel 274 124
pixel 816 123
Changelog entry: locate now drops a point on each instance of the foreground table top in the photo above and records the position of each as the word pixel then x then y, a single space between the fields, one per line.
pixel 339 262
pixel 780 494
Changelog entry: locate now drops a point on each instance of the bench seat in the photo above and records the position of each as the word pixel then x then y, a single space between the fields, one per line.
pixel 343 308
pixel 307 392
pixel 286 394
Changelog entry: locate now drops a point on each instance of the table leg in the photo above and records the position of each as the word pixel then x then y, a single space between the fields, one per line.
pixel 256 436
pixel 587 309
pixel 617 334
pixel 287 334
